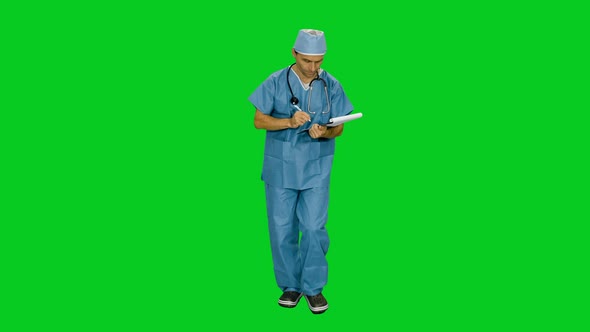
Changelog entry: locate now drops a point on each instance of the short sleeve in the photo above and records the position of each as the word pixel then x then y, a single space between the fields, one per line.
pixel 340 104
pixel 263 97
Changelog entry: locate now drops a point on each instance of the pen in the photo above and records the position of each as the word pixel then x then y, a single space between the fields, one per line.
pixel 299 109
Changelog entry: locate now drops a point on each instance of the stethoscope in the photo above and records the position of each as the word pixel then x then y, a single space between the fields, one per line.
pixel 294 101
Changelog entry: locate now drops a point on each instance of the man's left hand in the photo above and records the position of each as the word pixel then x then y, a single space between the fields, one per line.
pixel 317 131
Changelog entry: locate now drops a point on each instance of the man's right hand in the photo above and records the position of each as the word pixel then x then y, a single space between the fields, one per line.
pixel 299 118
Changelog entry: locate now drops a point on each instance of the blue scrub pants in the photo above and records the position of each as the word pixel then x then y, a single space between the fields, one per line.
pixel 299 265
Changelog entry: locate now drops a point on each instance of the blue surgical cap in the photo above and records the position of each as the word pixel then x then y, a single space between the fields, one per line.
pixel 310 42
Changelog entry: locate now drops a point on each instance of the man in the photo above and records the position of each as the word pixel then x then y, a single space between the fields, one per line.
pixel 294 105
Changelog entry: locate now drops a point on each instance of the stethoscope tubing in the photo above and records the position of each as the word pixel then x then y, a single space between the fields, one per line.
pixel 294 101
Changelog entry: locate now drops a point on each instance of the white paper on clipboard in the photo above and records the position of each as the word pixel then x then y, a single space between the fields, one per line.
pixel 341 119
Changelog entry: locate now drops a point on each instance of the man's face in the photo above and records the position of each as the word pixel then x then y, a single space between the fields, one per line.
pixel 308 65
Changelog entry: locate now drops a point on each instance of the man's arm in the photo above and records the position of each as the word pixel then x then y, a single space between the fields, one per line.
pixel 263 121
pixel 332 132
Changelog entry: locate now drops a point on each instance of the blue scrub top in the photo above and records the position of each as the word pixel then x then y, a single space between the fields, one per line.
pixel 292 159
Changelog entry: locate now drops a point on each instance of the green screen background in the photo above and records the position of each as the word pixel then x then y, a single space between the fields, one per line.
pixel 133 192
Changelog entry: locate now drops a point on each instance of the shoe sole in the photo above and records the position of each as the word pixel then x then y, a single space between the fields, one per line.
pixel 290 304
pixel 316 310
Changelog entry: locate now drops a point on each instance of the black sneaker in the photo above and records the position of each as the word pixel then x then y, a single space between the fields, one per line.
pixel 289 299
pixel 317 303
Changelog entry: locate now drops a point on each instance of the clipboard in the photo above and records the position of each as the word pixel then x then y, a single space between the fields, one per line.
pixel 342 119
pixel 336 121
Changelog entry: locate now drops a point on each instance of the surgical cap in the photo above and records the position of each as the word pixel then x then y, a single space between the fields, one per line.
pixel 310 42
